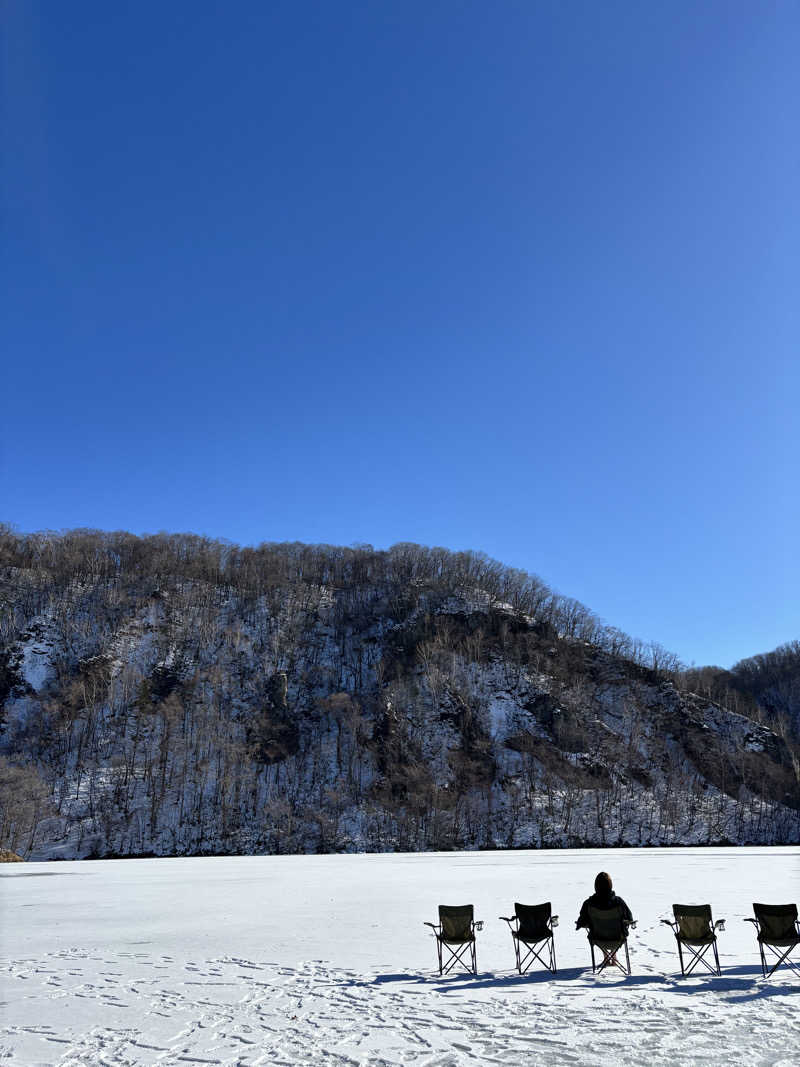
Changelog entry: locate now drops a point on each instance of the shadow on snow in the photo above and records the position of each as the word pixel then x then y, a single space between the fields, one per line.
pixel 746 981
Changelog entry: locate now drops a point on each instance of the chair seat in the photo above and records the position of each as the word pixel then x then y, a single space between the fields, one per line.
pixel 707 940
pixel 781 942
pixel 455 940
pixel 532 937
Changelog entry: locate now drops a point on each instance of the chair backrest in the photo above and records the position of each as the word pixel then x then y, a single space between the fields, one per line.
pixel 776 921
pixel 533 921
pixel 456 921
pixel 605 924
pixel 694 920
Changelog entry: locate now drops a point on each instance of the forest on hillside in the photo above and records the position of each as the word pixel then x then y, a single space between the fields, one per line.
pixel 174 694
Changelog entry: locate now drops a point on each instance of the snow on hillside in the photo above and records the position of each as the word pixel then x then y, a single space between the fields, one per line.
pixel 169 696
pixel 35 654
pixel 324 959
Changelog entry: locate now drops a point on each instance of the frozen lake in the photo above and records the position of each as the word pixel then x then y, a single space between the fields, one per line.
pixel 324 959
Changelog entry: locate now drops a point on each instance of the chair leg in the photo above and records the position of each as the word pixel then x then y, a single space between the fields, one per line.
pixel 795 966
pixel 456 958
pixel 696 958
pixel 593 964
pixel 610 960
pixel 526 959
pixel 533 951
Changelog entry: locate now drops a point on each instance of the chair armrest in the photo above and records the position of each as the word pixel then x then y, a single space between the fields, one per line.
pixel 753 921
pixel 433 926
pixel 506 919
pixel 630 924
pixel 478 925
pixel 719 924
pixel 666 922
pixel 553 920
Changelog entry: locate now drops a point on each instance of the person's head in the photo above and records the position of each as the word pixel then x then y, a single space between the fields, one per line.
pixel 602 884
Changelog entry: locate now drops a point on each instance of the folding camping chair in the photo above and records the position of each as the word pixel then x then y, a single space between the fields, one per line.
pixel 532 927
pixel 778 929
pixel 455 933
pixel 695 930
pixel 608 931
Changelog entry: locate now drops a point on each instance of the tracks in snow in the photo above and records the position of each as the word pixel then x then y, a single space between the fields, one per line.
pixel 130 1008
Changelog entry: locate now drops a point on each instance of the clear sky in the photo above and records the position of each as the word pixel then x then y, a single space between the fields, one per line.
pixel 520 277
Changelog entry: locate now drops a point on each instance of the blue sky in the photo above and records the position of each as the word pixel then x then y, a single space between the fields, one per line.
pixel 516 277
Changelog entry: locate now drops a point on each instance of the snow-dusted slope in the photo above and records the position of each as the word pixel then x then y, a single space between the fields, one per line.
pixel 324 959
pixel 172 697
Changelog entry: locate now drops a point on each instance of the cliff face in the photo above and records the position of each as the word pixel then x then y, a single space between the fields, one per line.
pixel 174 696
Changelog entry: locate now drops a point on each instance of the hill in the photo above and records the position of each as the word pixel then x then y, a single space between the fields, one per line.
pixel 177 695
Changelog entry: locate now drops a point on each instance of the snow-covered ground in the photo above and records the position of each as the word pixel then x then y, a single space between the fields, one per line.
pixel 324 959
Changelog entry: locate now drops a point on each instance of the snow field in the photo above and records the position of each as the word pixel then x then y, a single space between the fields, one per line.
pixel 324 959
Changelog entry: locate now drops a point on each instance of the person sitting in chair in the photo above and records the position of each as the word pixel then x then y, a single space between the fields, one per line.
pixel 603 897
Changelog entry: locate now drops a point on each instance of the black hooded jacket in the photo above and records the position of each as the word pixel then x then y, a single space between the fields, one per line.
pixel 602 900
